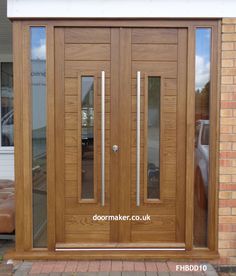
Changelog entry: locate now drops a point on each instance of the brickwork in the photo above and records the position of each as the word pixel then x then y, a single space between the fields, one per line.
pixel 227 177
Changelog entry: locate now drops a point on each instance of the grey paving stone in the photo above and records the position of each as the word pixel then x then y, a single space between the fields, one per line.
pixel 20 273
pixel 115 274
pixel 55 274
pixel 24 267
pixel 151 274
pixel 209 267
pixel 103 273
pixel 27 263
pixel 163 273
pixel 17 264
pixel 211 273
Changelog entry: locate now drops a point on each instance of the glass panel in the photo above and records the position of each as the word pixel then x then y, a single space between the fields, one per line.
pixel 202 122
pixel 87 88
pixel 153 166
pixel 7 116
pixel 39 154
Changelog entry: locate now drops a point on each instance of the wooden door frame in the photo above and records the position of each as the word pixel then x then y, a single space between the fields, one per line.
pixel 24 246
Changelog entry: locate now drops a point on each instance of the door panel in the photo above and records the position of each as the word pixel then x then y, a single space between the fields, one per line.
pixel 165 220
pixel 121 52
pixel 86 54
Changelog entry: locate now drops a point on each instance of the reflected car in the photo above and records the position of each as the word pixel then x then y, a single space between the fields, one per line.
pixel 202 161
pixel 7 123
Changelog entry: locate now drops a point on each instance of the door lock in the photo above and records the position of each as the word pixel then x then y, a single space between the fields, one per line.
pixel 115 148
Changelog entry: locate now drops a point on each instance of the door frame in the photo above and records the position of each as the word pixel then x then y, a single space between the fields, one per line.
pixel 24 244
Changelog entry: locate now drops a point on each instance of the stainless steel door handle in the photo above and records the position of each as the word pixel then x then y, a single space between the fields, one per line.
pixel 115 148
pixel 138 140
pixel 103 137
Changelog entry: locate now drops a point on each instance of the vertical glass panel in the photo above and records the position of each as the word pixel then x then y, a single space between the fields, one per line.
pixel 153 135
pixel 202 123
pixel 39 153
pixel 7 116
pixel 87 88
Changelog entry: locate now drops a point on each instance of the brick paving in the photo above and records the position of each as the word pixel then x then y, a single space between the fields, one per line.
pixel 100 268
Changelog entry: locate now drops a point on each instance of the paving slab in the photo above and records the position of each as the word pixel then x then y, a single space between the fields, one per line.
pixel 103 274
pixel 151 274
pixel 20 273
pixel 163 274
pixel 211 273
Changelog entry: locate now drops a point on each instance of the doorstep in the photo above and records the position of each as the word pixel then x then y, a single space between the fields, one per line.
pixel 106 268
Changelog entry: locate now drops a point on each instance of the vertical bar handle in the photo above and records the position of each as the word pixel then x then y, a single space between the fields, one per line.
pixel 138 141
pixel 103 137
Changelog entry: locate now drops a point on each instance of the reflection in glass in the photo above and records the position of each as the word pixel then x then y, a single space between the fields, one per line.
pixel 39 167
pixel 7 116
pixel 202 122
pixel 87 88
pixel 153 168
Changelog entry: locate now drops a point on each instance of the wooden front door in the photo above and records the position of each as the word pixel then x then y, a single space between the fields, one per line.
pixel 120 136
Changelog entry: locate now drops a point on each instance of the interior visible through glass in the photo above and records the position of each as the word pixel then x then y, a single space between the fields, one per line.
pixel 39 153
pixel 7 115
pixel 153 166
pixel 87 88
pixel 202 126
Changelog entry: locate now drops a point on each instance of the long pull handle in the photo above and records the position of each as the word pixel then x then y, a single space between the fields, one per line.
pixel 103 137
pixel 138 141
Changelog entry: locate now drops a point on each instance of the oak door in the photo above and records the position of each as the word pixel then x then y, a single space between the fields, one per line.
pixel 109 160
pixel 160 56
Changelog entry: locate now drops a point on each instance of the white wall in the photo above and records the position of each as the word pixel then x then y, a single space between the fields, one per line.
pixel 6 156
pixel 6 165
pixel 121 8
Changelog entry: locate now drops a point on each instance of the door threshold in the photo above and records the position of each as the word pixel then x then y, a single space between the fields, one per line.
pixel 119 246
pixel 120 249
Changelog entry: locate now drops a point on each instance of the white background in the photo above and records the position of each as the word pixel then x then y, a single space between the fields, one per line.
pixel 121 8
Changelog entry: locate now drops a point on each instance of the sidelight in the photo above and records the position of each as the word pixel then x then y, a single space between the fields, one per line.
pixel 202 127
pixel 39 124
